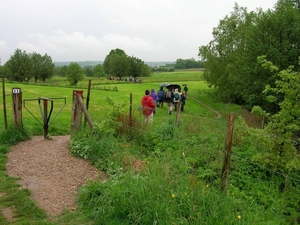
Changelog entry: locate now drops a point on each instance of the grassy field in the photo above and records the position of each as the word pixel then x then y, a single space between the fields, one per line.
pixel 101 89
pixel 180 180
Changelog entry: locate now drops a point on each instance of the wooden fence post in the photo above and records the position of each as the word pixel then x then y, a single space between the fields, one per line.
pixel 228 145
pixel 88 99
pixel 4 103
pixel 130 111
pixel 84 110
pixel 76 111
pixel 17 106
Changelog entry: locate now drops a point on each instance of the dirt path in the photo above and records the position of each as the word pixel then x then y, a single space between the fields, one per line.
pixel 218 114
pixel 48 170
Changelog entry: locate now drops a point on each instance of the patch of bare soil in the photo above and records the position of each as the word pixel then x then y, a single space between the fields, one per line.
pixel 8 214
pixel 48 170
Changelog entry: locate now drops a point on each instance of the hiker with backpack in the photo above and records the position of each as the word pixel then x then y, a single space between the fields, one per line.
pixel 155 98
pixel 176 98
pixel 185 89
pixel 183 97
pixel 161 97
pixel 148 106
pixel 169 100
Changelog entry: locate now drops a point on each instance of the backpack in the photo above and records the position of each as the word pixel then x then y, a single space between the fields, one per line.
pixel 169 94
pixel 176 96
pixel 161 95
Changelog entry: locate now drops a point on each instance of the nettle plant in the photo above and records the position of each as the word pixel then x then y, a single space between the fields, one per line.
pixel 111 123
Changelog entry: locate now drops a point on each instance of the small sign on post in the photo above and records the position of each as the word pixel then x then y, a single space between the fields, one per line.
pixel 17 106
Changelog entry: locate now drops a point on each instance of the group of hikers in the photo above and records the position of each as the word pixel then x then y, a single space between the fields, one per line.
pixel 153 99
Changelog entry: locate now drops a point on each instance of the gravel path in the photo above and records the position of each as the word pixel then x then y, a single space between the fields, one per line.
pixel 48 170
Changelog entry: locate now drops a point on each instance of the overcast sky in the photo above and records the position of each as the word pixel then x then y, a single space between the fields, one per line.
pixel 81 30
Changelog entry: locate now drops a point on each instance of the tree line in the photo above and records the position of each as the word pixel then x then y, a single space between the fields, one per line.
pixel 231 60
pixel 23 66
pixel 179 64
pixel 253 60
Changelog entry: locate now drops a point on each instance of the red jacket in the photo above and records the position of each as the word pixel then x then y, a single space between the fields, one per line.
pixel 148 105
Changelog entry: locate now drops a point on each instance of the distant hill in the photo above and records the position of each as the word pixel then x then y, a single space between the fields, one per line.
pixel 94 63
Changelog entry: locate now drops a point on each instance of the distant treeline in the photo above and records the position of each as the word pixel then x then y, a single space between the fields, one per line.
pixel 94 63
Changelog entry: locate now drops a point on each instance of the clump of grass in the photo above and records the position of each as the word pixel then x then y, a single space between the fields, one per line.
pixel 14 134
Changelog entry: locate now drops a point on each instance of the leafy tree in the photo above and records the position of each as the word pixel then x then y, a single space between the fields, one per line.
pixel 180 64
pixel 108 63
pixel 146 71
pixel 88 71
pixel 136 66
pixel 230 59
pixel 275 35
pixel 99 71
pixel 42 66
pixel 1 71
pixel 19 67
pixel 48 66
pixel 61 70
pixel 187 63
pixel 223 55
pixel 75 73
pixel 119 65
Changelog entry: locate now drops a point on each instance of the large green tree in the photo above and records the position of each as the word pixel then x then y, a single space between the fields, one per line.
pixel 75 73
pixel 119 65
pixel 19 67
pixel 99 71
pixel 109 60
pixel 135 66
pixel 223 56
pixel 146 71
pixel 42 67
pixel 276 35
pixel 231 57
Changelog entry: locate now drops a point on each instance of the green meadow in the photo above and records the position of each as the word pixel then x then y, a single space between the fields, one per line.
pixel 178 181
pixel 101 89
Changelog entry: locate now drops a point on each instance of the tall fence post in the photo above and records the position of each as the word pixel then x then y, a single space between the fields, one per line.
pixel 228 145
pixel 130 111
pixel 4 103
pixel 88 99
pixel 17 106
pixel 76 111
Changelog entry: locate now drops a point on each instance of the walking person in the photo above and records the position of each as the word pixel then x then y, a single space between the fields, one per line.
pixel 185 89
pixel 161 97
pixel 155 98
pixel 148 106
pixel 176 98
pixel 182 100
pixel 169 100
